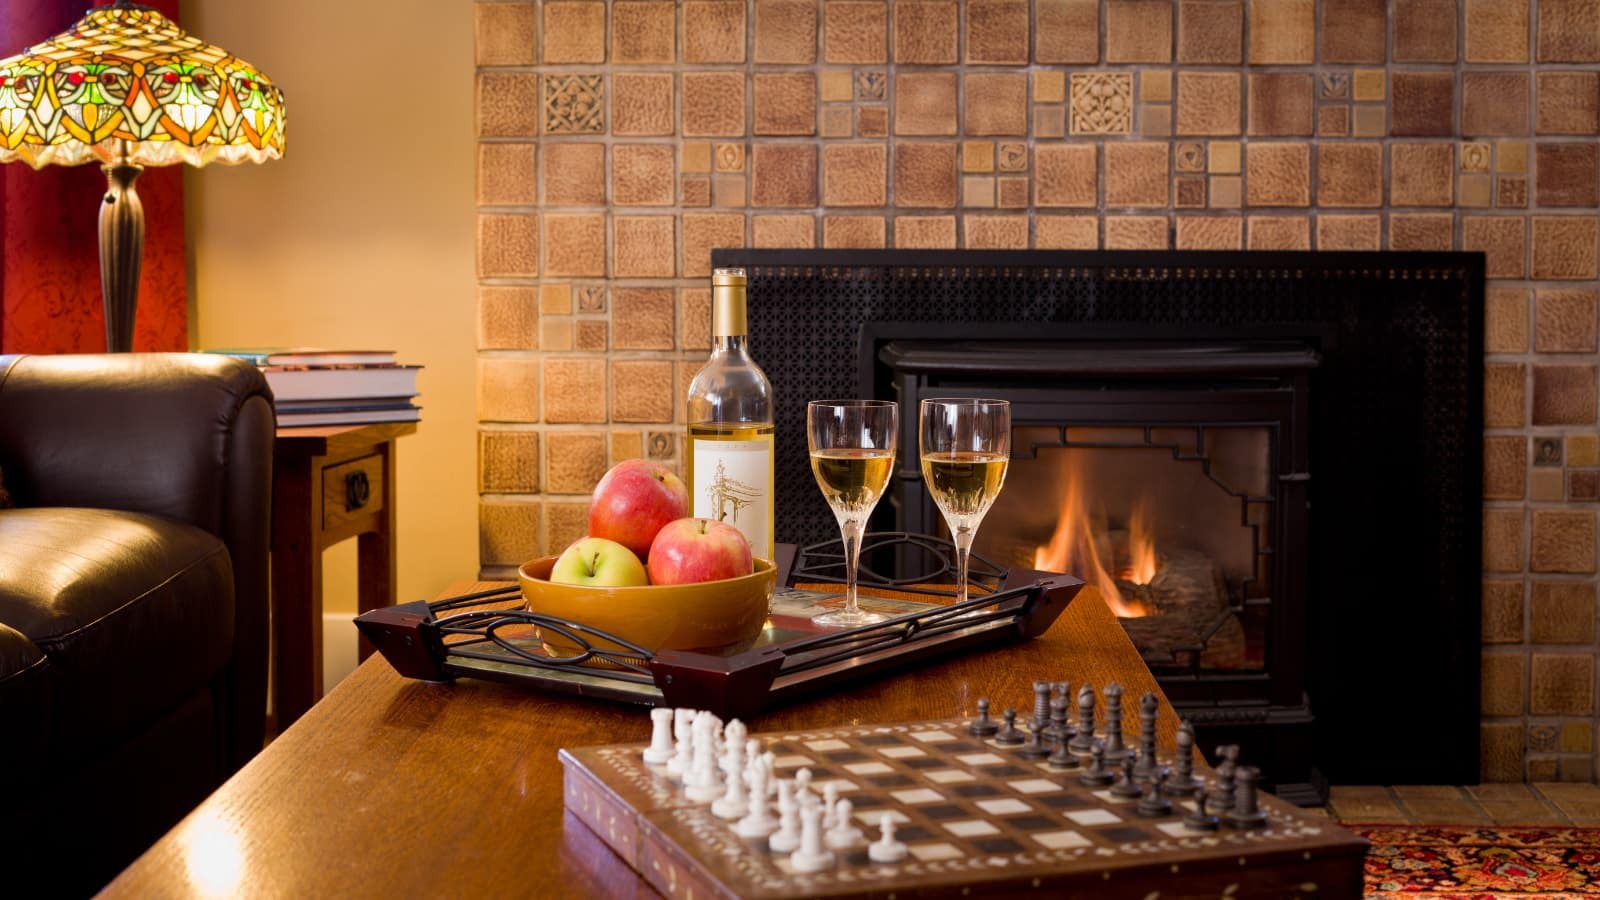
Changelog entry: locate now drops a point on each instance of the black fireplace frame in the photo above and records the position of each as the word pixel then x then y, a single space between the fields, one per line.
pixel 1397 447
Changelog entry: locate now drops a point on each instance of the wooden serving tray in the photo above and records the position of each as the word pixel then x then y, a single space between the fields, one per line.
pixel 978 819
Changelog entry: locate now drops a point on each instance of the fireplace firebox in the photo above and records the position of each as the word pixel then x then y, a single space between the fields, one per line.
pixel 1268 464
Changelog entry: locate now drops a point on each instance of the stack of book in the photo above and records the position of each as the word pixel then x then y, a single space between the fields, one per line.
pixel 336 387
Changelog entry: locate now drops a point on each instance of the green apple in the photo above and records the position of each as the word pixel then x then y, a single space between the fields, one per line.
pixel 597 562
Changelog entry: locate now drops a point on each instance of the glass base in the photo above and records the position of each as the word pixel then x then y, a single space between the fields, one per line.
pixel 850 618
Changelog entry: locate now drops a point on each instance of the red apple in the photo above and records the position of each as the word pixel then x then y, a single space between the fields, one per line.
pixel 692 550
pixel 633 501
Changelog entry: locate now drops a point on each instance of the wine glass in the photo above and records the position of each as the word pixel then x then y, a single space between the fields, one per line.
pixel 966 445
pixel 852 454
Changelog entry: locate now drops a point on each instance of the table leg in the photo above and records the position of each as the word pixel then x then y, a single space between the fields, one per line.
pixel 375 556
pixel 296 590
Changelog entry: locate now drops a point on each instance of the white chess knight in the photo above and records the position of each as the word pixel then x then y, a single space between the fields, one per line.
pixel 683 730
pixel 787 837
pixel 844 834
pixel 812 855
pixel 886 849
pixel 702 783
pixel 759 822
pixel 660 750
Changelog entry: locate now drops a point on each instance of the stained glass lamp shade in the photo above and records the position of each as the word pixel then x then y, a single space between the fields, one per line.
pixel 127 88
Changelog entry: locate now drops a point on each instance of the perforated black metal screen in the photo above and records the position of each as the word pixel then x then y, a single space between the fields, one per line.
pixel 1396 425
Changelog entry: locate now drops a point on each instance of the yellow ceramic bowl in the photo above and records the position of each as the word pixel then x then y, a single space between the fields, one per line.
pixel 712 616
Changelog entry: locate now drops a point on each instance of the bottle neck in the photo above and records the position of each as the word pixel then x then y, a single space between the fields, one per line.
pixel 735 345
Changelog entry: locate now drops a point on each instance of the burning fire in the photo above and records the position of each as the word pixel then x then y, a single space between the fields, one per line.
pixel 1082 545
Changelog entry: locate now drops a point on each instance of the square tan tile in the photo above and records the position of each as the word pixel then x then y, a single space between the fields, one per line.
pixel 644 246
pixel 574 32
pixel 1348 232
pixel 1425 31
pixel 1155 86
pixel 643 32
pixel 508 245
pixel 1420 174
pixel 783 175
pixel 853 232
pixel 729 191
pixel 1189 192
pixel 713 104
pixel 1278 233
pixel 1563 612
pixel 642 174
pixel 925 103
pixel 1282 32
pixel 1067 31
pixel 1502 612
pixel 1564 247
pixel 1211 32
pixel 1210 232
pixel 1494 104
pixel 506 175
pixel 785 103
pixel 704 232
pixel 694 321
pixel 1505 397
pixel 925 174
pixel 1561 684
pixel 1568 103
pixel 796 231
pixel 1475 191
pixel 979 192
pixel 713 31
pixel 1208 103
pixel 574 461
pixel 925 31
pixel 1137 174
pixel 1013 192
pixel 1568 174
pixel 1051 121
pixel 786 31
pixel 508 461
pixel 977 156
pixel 854 175
pixel 1497 31
pixel 1565 320
pixel 1569 31
pixel 643 318
pixel 1138 31
pixel 570 386
pixel 1280 104
pixel 508 532
pixel 1563 395
pixel 996 103
pixel 855 31
pixel 575 244
pixel 1223 157
pixel 510 105
pixel 1226 191
pixel 1506 320
pixel 506 34
pixel 1050 86
pixel 1065 175
pixel 1353 31
pixel 872 122
pixel 1136 233
pixel 995 232
pixel 1423 104
pixel 1368 120
pixel 997 32
pixel 1333 121
pixel 1421 231
pixel 574 174
pixel 508 318
pixel 1503 239
pixel 1278 174
pixel 641 104
pixel 641 390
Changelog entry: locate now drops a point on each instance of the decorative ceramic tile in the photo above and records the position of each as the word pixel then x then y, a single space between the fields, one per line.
pixel 1102 103
pixel 1334 86
pixel 1012 156
pixel 660 446
pixel 574 104
pixel 730 157
pixel 1190 156
pixel 591 298
pixel 1511 191
pixel 871 84
pixel 1474 157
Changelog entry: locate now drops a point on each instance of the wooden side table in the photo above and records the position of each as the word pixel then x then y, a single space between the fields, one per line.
pixel 329 484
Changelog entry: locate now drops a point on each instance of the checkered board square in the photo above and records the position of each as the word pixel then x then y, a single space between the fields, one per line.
pixel 971 813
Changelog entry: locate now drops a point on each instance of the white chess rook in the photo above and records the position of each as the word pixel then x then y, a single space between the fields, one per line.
pixel 812 855
pixel 844 834
pixel 683 730
pixel 787 837
pixel 886 849
pixel 660 749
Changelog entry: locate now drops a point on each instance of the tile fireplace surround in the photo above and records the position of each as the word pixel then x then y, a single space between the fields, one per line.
pixel 619 142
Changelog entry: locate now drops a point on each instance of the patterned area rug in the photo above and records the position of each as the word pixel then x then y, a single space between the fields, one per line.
pixel 1433 862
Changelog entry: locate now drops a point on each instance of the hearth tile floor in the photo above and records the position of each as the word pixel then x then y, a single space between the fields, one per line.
pixel 1545 804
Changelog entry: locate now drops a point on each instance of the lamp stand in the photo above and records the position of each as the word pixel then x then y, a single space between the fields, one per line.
pixel 121 253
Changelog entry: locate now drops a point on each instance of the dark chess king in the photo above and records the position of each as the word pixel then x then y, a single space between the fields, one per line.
pixel 934 809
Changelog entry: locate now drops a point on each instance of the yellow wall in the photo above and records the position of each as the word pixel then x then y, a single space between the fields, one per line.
pixel 355 239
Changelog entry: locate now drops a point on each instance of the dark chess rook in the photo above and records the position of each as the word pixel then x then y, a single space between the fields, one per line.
pixel 933 809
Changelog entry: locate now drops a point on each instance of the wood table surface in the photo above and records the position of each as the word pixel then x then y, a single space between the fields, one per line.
pixel 399 788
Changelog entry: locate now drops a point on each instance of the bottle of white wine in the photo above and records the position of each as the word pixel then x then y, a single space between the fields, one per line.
pixel 729 453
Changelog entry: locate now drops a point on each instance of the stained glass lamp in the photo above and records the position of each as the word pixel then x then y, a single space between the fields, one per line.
pixel 127 88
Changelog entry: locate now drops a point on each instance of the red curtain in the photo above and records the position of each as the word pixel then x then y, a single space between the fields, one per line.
pixel 50 264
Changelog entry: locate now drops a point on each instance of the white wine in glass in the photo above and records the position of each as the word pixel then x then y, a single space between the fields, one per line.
pixel 852 456
pixel 966 446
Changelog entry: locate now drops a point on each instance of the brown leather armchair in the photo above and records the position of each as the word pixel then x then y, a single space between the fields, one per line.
pixel 133 599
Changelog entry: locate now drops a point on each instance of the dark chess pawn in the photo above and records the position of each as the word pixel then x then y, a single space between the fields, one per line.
pixel 1183 783
pixel 1145 771
pixel 1041 707
pixel 1222 797
pixel 1062 757
pixel 983 726
pixel 1200 820
pixel 1246 811
pixel 1037 748
pixel 1097 775
pixel 1083 741
pixel 1126 787
pixel 1155 804
pixel 1115 748
pixel 1063 696
pixel 1011 735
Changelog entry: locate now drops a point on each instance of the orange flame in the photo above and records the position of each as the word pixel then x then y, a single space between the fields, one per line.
pixel 1077 546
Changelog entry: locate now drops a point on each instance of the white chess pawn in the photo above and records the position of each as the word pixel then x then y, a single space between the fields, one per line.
pixel 830 800
pixel 787 837
pixel 733 735
pixel 770 761
pixel 812 855
pixel 844 834
pixel 732 805
pixel 660 749
pixel 886 849
pixel 683 730
pixel 702 784
pixel 752 756
pixel 759 822
pixel 802 785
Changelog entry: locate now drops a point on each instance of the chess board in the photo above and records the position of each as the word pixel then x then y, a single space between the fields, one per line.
pixel 976 817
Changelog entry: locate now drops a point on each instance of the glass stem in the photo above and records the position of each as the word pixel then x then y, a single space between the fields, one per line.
pixel 853 529
pixel 963 536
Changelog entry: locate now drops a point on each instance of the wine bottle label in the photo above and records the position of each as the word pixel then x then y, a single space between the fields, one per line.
pixel 733 484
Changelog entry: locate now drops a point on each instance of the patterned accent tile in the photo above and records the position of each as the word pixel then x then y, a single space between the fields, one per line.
pixel 1102 103
pixel 574 104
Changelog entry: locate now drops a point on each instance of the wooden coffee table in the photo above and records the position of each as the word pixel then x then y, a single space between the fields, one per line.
pixel 391 787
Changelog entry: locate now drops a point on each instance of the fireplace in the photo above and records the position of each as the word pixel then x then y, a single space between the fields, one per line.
pixel 1267 463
